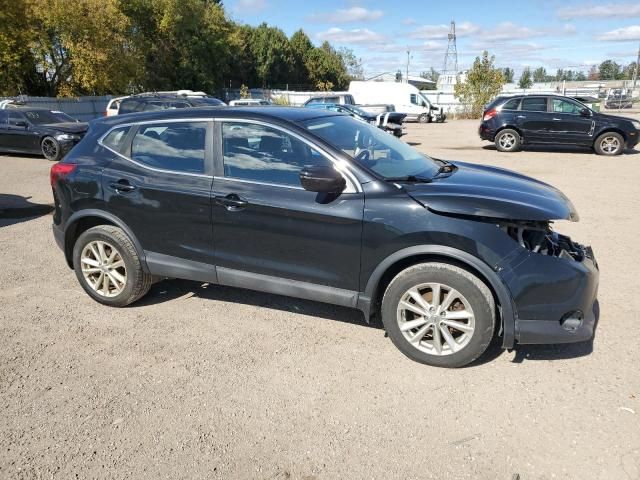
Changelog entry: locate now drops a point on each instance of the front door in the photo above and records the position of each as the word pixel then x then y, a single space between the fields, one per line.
pixel 266 224
pixel 159 184
pixel 20 134
pixel 567 123
pixel 533 119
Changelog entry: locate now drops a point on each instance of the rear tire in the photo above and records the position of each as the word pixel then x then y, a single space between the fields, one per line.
pixel 609 144
pixel 508 140
pixel 51 149
pixel 108 267
pixel 439 314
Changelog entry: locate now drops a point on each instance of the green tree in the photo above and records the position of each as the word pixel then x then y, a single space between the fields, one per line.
pixel 540 75
pixel 580 77
pixel 525 79
pixel 609 70
pixel 300 47
pixel 508 74
pixel 629 70
pixel 324 64
pixel 351 63
pixel 484 81
pixel 272 54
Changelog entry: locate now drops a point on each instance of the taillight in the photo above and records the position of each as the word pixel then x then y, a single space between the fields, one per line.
pixel 489 114
pixel 60 170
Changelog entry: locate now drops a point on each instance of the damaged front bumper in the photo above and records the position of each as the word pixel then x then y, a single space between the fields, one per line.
pixel 554 286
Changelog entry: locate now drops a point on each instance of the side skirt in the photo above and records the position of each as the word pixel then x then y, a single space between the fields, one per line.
pixel 173 267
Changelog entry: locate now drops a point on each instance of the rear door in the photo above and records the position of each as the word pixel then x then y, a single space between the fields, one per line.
pixel 533 119
pixel 159 184
pixel 4 127
pixel 568 125
pixel 265 223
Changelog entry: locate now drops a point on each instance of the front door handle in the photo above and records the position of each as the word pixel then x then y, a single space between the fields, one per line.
pixel 232 202
pixel 521 116
pixel 557 119
pixel 122 186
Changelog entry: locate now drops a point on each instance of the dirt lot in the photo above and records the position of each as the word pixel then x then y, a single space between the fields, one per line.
pixel 208 382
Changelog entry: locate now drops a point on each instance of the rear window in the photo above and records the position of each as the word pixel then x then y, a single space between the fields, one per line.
pixel 512 104
pixel 178 146
pixel 535 104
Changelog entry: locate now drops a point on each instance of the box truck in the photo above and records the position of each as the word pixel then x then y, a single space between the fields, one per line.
pixel 405 97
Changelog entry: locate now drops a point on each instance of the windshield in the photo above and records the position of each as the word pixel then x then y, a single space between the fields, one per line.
pixel 372 147
pixel 41 117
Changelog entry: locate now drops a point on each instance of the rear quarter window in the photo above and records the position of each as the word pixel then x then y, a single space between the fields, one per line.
pixel 512 104
pixel 115 138
pixel 178 147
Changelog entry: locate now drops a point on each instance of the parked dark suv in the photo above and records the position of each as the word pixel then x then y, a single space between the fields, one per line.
pixel 512 122
pixel 315 204
pixel 146 102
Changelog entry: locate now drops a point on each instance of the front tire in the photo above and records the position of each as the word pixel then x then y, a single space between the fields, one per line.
pixel 508 140
pixel 51 149
pixel 108 267
pixel 609 144
pixel 439 314
pixel 424 118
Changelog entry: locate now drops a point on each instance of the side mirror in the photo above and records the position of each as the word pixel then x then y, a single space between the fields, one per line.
pixel 324 179
pixel 585 112
pixel 21 123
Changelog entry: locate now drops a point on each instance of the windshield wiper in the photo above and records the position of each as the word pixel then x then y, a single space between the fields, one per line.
pixel 408 178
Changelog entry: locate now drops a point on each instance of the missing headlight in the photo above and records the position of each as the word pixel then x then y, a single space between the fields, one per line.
pixel 540 238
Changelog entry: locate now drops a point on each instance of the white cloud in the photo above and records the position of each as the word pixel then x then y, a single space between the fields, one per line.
pixel 569 29
pixel 348 15
pixel 621 34
pixel 409 21
pixel 250 6
pixel 608 10
pixel 433 32
pixel 508 31
pixel 355 36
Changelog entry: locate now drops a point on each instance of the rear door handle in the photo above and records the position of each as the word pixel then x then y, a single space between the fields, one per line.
pixel 232 202
pixel 122 186
pixel 557 119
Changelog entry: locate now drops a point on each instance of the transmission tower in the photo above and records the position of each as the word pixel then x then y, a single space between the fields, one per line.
pixel 451 57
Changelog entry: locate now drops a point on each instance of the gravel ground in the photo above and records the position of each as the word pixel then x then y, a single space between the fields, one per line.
pixel 198 381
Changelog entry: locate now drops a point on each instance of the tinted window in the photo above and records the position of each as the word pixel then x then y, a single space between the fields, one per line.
pixel 151 106
pixel 16 117
pixel 264 154
pixel 3 118
pixel 511 104
pixel 534 104
pixel 115 138
pixel 175 146
pixel 128 106
pixel 178 105
pixel 564 106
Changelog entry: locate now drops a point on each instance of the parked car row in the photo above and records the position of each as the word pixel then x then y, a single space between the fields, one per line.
pixel 390 122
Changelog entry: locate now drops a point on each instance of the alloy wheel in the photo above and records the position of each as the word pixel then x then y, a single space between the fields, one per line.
pixel 435 319
pixel 49 148
pixel 610 144
pixel 507 141
pixel 103 268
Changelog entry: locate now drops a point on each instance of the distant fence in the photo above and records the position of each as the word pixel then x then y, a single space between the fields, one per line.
pixel 80 108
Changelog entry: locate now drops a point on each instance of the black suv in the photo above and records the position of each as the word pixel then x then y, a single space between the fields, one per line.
pixel 146 102
pixel 511 122
pixel 315 204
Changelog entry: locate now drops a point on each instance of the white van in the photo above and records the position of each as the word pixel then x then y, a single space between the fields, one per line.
pixel 405 97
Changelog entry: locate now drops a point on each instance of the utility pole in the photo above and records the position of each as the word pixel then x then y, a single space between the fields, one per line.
pixel 408 57
pixel 451 57
pixel 637 69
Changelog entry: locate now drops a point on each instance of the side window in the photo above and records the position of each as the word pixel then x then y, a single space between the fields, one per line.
pixel 563 106
pixel 15 117
pixel 512 104
pixel 179 105
pixel 3 118
pixel 264 154
pixel 115 138
pixel 534 104
pixel 414 99
pixel 151 106
pixel 128 106
pixel 178 146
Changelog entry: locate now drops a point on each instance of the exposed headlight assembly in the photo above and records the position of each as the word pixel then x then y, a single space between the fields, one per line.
pixel 539 237
pixel 636 124
pixel 67 136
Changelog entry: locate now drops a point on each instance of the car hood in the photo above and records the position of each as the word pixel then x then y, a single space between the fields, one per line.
pixel 68 127
pixel 615 118
pixel 493 192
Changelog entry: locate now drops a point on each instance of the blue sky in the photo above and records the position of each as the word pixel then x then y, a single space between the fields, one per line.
pixel 551 33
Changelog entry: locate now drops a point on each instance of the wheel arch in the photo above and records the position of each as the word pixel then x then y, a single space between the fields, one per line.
pixel 395 263
pixel 81 221
pixel 610 130
pixel 509 127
